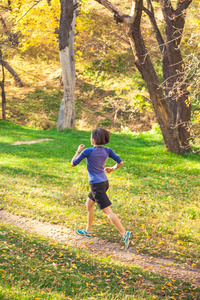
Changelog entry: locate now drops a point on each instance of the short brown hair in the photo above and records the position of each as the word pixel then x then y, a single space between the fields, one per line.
pixel 101 136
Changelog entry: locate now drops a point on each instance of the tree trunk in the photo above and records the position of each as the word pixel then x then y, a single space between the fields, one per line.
pixel 144 65
pixel 173 115
pixel 66 118
pixel 173 69
pixel 3 94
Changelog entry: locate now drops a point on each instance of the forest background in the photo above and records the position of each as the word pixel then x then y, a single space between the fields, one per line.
pixel 109 90
pixel 162 188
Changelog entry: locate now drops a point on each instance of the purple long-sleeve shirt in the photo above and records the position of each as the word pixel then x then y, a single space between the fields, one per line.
pixel 96 159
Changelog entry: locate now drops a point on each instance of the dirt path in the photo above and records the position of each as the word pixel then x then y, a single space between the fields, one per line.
pixel 31 142
pixel 62 234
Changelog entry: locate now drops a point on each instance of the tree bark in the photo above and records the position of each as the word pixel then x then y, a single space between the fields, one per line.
pixel 173 116
pixel 66 118
pixel 174 71
pixel 144 65
pixel 3 95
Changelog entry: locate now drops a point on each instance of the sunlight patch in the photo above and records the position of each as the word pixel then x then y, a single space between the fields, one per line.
pixel 31 142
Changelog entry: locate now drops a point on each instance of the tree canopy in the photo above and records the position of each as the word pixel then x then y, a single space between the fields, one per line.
pixel 35 25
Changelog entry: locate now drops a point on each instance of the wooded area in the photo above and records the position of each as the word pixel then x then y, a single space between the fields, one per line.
pixel 170 95
pixel 131 67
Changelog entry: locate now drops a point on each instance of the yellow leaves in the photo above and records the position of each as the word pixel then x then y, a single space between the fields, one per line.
pixel 101 295
pixel 37 26
pixel 73 266
pixel 2 271
pixel 179 242
pixel 169 284
pixel 160 243
pixel 79 53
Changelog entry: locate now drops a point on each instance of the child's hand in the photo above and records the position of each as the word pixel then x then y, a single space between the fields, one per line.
pixel 80 147
pixel 108 169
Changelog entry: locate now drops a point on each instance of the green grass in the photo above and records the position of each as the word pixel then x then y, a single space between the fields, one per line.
pixel 155 194
pixel 36 268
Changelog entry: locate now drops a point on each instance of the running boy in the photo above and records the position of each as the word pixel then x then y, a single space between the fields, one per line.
pixel 96 159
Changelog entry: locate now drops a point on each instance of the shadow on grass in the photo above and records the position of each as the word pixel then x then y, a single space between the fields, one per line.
pixel 34 264
pixel 139 152
pixel 43 266
pixel 44 178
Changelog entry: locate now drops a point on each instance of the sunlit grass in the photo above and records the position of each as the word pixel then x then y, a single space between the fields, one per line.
pixel 36 268
pixel 155 193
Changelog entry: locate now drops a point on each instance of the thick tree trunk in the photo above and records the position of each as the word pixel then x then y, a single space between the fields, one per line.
pixel 66 118
pixel 173 113
pixel 173 69
pixel 177 96
pixel 143 63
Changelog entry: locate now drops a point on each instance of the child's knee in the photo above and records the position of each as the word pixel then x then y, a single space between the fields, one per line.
pixel 89 204
pixel 109 213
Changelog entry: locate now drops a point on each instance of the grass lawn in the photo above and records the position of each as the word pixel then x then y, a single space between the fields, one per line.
pixel 156 195
pixel 35 268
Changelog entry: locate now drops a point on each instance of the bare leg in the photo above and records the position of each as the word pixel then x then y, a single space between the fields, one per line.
pixel 90 209
pixel 114 219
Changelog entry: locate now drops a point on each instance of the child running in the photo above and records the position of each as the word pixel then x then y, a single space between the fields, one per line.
pixel 96 159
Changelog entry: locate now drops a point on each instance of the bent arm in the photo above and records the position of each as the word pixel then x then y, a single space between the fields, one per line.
pixel 75 156
pixel 80 148
pixel 115 167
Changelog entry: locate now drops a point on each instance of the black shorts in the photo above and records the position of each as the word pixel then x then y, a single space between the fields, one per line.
pixel 98 194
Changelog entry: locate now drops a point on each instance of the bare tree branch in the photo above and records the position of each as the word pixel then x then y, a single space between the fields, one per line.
pixel 167 7
pixel 12 72
pixel 181 6
pixel 150 13
pixel 28 11
pixel 118 15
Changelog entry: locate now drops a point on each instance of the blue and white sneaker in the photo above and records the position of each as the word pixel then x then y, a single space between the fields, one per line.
pixel 84 232
pixel 127 239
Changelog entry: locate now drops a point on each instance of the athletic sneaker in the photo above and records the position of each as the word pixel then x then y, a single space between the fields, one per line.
pixel 84 232
pixel 127 239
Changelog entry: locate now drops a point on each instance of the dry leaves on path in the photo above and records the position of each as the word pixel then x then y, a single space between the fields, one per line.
pixel 62 234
